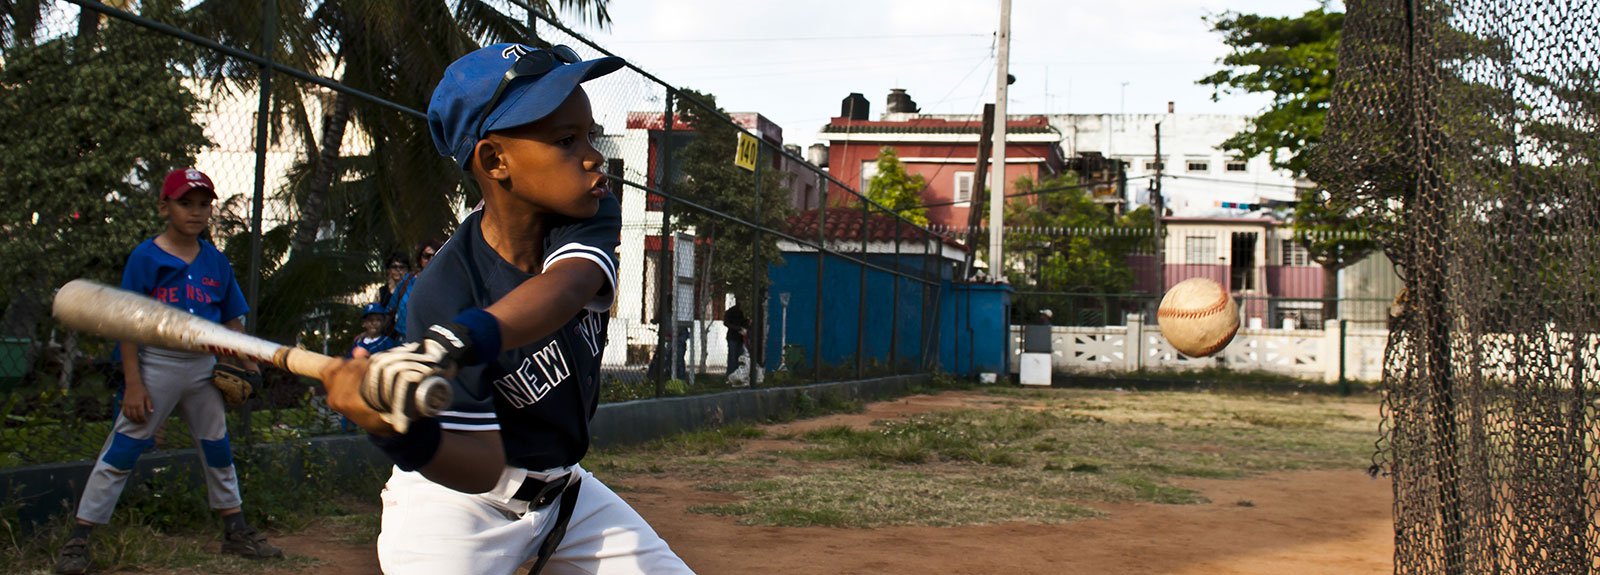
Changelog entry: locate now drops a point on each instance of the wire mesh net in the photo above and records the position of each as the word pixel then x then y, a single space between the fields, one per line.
pixel 1462 132
pixel 722 265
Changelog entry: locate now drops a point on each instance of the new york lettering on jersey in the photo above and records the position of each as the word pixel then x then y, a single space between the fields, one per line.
pixel 548 367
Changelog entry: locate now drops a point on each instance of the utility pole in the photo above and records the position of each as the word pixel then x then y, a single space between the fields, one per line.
pixel 979 175
pixel 997 194
pixel 1158 204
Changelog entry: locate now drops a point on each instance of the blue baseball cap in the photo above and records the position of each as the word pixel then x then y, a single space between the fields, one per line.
pixel 469 83
pixel 372 308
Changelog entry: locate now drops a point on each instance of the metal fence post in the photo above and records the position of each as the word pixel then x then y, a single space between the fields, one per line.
pixel 664 272
pixel 269 24
pixel 894 305
pixel 756 343
pixel 822 248
pixel 1344 383
pixel 861 298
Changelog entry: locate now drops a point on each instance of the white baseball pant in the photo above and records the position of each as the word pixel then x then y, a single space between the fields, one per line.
pixel 429 529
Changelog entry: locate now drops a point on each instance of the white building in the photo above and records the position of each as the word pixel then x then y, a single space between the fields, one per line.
pixel 1198 175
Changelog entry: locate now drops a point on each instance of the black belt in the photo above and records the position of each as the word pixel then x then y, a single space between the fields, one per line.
pixel 539 493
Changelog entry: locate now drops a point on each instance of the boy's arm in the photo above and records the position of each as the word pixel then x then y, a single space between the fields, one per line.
pixel 472 461
pixel 136 403
pixel 466 461
pixel 547 301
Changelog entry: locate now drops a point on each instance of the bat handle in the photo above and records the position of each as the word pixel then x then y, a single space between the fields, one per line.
pixel 431 397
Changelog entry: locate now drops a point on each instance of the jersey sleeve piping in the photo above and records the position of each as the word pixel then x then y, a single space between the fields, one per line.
pixel 602 301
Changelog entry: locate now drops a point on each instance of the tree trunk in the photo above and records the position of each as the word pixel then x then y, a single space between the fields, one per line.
pixel 88 25
pixel 1330 293
pixel 69 354
pixel 316 200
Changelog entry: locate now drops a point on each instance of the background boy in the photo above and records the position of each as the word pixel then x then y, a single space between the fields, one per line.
pixel 182 270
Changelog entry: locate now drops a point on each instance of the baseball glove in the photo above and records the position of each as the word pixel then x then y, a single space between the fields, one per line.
pixel 236 383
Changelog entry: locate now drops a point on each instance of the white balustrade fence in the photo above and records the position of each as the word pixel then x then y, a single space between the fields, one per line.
pixel 1306 353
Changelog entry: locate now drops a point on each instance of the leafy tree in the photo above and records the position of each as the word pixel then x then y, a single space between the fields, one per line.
pixel 896 189
pixel 1063 242
pixel 81 164
pixel 394 49
pixel 707 177
pixel 399 191
pixel 1293 59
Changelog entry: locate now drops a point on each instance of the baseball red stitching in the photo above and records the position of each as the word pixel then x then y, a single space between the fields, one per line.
pixel 1221 342
pixel 1214 308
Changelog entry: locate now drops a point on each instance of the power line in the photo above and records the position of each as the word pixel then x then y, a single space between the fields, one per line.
pixel 745 65
pixel 797 38
pixel 1041 191
pixel 1234 182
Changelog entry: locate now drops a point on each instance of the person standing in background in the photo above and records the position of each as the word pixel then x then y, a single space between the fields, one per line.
pixel 402 296
pixel 394 272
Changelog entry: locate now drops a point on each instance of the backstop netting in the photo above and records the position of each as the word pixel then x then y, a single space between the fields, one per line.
pixel 1462 133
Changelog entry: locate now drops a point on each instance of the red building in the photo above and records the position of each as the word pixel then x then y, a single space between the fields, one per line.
pixel 941 149
pixel 650 128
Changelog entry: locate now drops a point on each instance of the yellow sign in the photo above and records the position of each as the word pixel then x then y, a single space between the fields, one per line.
pixel 749 148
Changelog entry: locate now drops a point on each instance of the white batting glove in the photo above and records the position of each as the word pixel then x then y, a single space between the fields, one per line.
pixel 393 377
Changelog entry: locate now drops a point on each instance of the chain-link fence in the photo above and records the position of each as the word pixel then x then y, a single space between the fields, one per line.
pixel 1463 134
pixel 1268 267
pixel 741 263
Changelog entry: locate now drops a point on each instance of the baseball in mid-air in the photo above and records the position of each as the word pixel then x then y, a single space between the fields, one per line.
pixel 1197 317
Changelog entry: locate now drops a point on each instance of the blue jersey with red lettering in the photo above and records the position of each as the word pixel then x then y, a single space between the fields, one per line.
pixel 204 287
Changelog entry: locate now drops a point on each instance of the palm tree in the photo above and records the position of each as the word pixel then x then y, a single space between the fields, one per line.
pixel 398 192
pixel 394 49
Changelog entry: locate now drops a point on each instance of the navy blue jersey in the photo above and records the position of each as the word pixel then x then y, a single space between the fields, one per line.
pixel 204 287
pixel 539 396
pixel 372 344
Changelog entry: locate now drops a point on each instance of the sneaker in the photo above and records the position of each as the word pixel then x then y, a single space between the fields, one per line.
pixel 249 543
pixel 73 558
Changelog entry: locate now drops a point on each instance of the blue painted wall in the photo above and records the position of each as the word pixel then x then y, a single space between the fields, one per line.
pixel 968 321
pixel 973 330
pixel 889 321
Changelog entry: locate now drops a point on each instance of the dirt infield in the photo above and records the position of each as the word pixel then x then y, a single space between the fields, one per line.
pixel 1317 522
pixel 1304 522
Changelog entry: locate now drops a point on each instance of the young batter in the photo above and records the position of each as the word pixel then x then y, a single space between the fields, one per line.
pixel 184 271
pixel 515 306
pixel 374 336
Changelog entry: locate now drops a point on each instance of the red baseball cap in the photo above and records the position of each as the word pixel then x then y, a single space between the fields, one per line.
pixel 181 180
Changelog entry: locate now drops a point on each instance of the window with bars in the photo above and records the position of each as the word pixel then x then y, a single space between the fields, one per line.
pixel 1199 166
pixel 1237 166
pixel 1295 253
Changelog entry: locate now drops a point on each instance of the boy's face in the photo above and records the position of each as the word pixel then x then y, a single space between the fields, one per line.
pixel 189 215
pixel 373 323
pixel 552 163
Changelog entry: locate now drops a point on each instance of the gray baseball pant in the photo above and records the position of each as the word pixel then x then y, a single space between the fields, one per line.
pixel 175 380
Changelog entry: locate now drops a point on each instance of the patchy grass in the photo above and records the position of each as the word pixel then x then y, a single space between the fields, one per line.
pixel 121 547
pixel 162 523
pixel 1026 455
